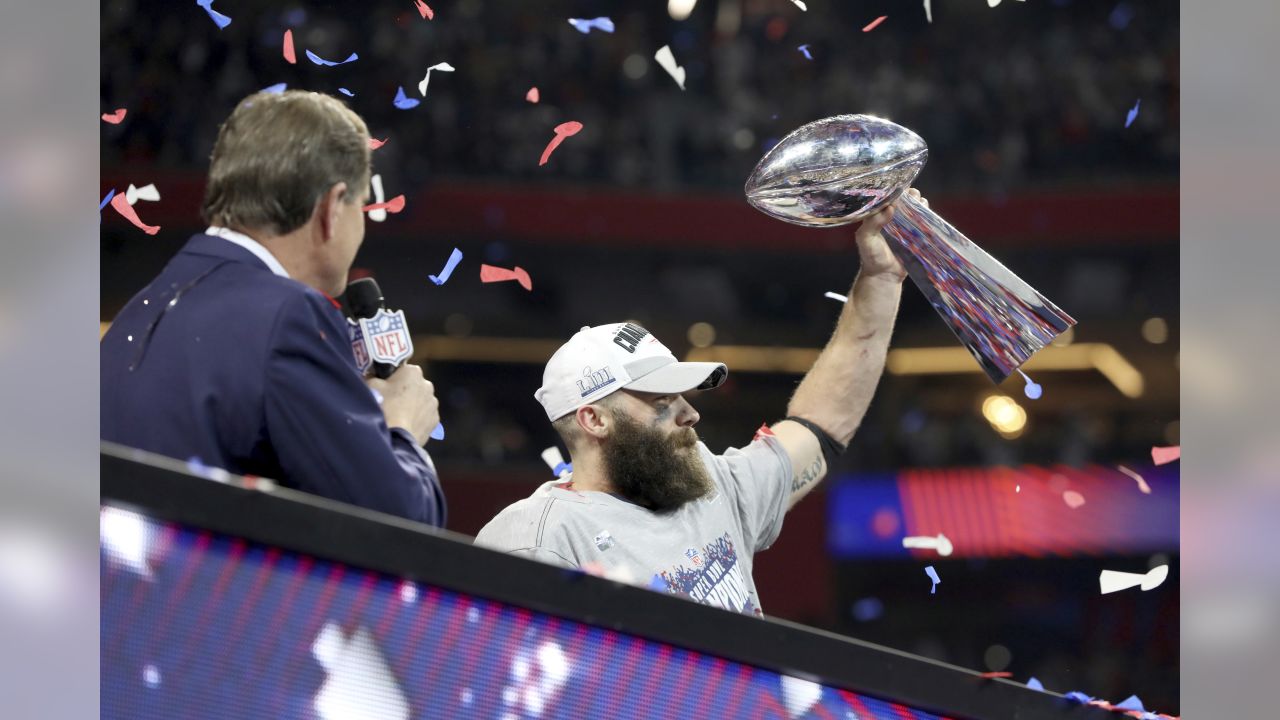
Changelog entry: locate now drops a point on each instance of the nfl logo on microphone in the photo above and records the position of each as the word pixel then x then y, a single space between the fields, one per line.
pixel 386 337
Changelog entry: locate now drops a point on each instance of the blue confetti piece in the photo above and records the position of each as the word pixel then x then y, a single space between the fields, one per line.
pixel 402 101
pixel 1035 684
pixel 454 258
pixel 1079 697
pixel 277 88
pixel 563 467
pixel 321 61
pixel 1031 390
pixel 105 200
pixel 346 92
pixel 218 18
pixel 438 433
pixel 805 49
pixel 657 583
pixel 584 26
pixel 933 575
pixel 1131 703
pixel 1133 113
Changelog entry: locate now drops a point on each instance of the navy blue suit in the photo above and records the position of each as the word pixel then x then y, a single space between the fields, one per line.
pixel 222 360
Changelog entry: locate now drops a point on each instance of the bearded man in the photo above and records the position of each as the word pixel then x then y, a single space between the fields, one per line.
pixel 647 501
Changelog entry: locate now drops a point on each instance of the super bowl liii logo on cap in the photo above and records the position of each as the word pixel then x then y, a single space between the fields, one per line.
pixel 593 380
pixel 629 336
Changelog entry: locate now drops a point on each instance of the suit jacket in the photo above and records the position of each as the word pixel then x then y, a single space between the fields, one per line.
pixel 221 360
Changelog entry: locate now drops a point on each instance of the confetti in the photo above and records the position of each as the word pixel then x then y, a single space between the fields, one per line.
pixel 1131 703
pixel 442 67
pixel 1164 455
pixel 289 55
pixel 933 575
pixel 928 11
pixel 122 206
pixel 277 88
pixel 603 540
pixel 668 63
pixel 489 274
pixel 584 26
pixel 321 61
pixel 375 143
pixel 218 18
pixel 115 118
pixel 532 95
pixel 146 192
pixel 438 432
pixel 1114 581
pixel 805 49
pixel 875 23
pixel 836 296
pixel 1133 113
pixel 346 92
pixel 658 584
pixel 1073 499
pixel 800 5
pixel 394 205
pixel 402 102
pixel 1035 684
pixel 454 258
pixel 927 542
pixel 1001 674
pixel 424 10
pixel 1031 389
pixel 554 460
pixel 110 194
pixel 375 182
pixel 562 131
pixel 1142 484
pixel 1075 695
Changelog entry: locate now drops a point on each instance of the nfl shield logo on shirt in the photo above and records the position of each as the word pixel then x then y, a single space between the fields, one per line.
pixel 358 347
pixel 386 337
pixel 692 554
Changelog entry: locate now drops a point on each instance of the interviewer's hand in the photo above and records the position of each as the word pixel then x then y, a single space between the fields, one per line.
pixel 409 401
pixel 873 250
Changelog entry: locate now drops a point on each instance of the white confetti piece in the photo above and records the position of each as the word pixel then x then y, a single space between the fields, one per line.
pixel 927 542
pixel 668 62
pixel 380 214
pixel 800 5
pixel 1142 484
pixel 928 11
pixel 146 192
pixel 836 296
pixel 442 67
pixel 1114 581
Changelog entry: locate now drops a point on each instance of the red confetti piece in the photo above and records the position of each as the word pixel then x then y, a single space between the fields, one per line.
pixel 375 143
pixel 394 205
pixel 424 10
pixel 532 95
pixel 289 55
pixel 1001 674
pixel 563 130
pixel 1163 455
pixel 114 118
pixel 122 206
pixel 490 274
pixel 1142 484
pixel 1073 499
pixel 875 23
pixel 764 431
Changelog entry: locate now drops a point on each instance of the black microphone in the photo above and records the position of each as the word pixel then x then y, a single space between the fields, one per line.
pixel 363 299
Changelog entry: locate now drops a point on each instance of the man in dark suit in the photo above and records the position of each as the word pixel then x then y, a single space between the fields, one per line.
pixel 237 355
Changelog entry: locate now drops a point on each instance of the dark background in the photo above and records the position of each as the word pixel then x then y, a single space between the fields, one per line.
pixel 640 216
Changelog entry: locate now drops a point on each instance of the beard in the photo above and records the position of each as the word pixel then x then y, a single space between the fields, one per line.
pixel 657 472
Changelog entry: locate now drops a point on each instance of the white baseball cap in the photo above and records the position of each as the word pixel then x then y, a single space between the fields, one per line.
pixel 598 361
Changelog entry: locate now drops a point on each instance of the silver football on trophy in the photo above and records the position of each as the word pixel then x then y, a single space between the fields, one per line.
pixel 844 168
pixel 836 171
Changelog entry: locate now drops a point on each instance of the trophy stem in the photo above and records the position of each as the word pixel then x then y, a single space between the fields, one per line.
pixel 1002 320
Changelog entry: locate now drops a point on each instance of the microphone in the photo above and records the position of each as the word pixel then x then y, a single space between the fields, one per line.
pixel 379 337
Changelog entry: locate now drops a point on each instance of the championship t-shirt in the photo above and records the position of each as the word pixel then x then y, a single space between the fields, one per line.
pixel 702 551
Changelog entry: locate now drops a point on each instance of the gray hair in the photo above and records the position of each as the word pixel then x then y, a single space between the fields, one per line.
pixel 278 154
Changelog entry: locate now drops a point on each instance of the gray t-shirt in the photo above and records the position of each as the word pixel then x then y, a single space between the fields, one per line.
pixel 702 551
